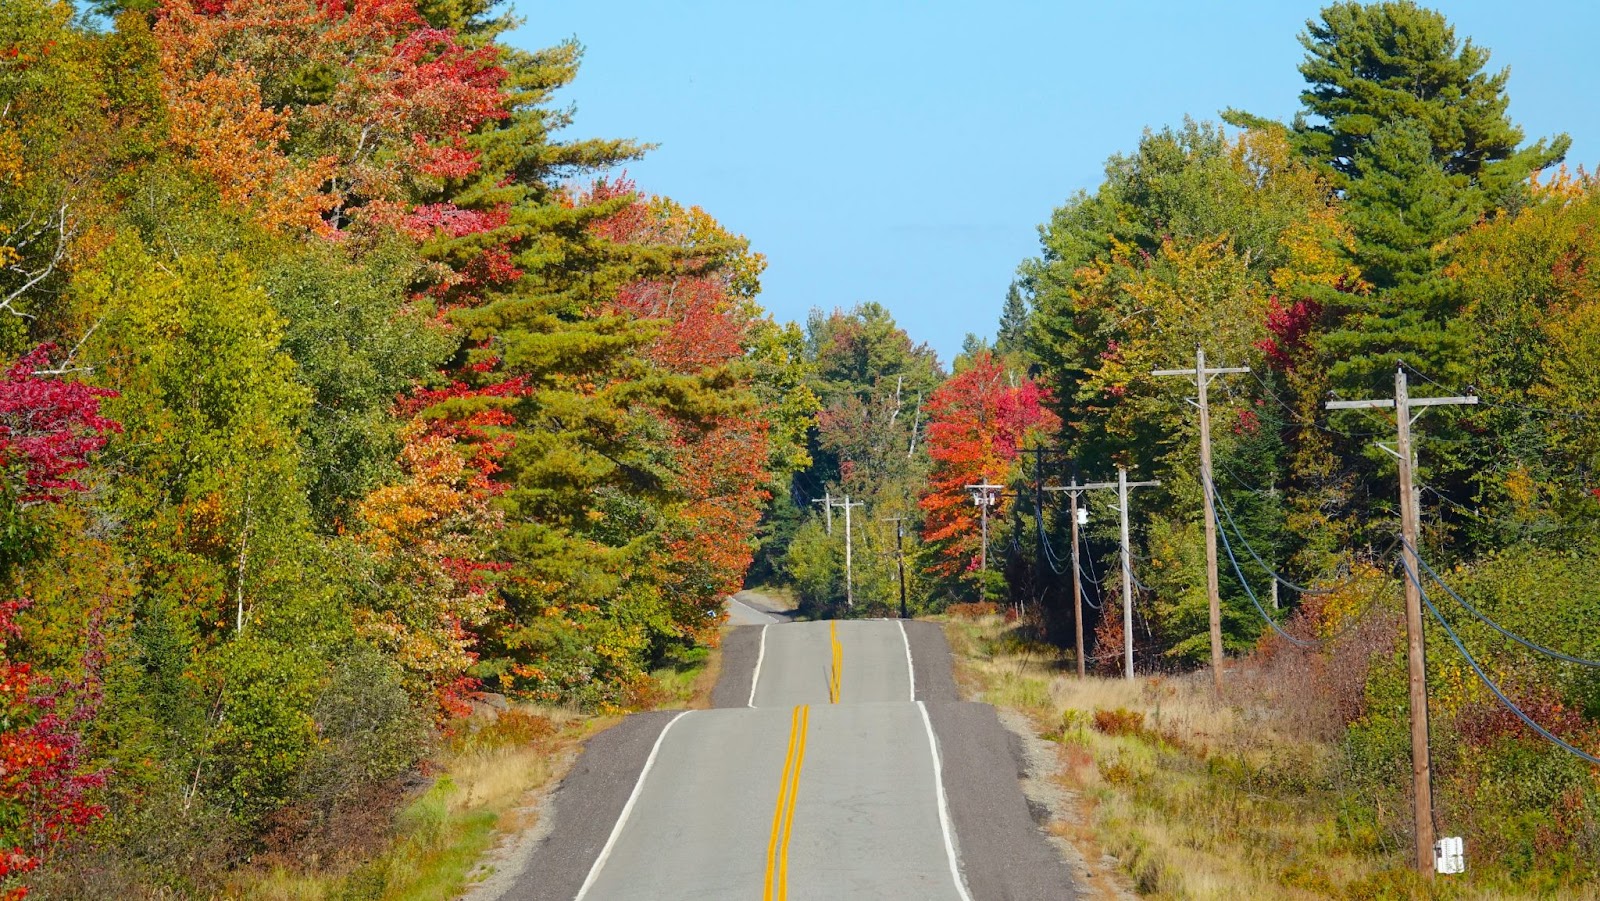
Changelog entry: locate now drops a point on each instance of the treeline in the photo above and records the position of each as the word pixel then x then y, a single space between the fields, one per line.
pixel 339 387
pixel 1399 221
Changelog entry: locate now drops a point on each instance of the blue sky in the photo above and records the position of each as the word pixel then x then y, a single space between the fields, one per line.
pixel 906 152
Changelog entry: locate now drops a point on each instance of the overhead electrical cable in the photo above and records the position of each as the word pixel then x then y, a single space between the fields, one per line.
pixel 1250 592
pixel 1484 677
pixel 1483 618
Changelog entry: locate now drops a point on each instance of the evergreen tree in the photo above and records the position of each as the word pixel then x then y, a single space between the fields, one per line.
pixel 1402 207
pixel 1012 336
pixel 1369 65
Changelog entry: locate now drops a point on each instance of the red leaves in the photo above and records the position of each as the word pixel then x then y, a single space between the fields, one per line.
pixel 1290 327
pixel 44 788
pixel 48 428
pixel 451 220
pixel 978 420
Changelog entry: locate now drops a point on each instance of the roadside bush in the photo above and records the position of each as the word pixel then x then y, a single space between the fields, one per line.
pixel 1119 722
pixel 973 611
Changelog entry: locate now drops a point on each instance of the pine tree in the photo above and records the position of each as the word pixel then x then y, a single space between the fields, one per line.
pixel 1013 333
pixel 1369 65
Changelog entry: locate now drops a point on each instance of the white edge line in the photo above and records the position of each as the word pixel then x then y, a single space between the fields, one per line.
pixel 770 619
pixel 911 668
pixel 944 808
pixel 755 676
pixel 622 818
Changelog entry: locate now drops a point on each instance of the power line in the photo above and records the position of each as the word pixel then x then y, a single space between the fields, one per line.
pixel 1490 402
pixel 1484 677
pixel 1530 645
pixel 1297 417
pixel 1257 557
pixel 1250 592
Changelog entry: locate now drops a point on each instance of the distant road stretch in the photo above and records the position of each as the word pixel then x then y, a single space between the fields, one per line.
pixel 837 765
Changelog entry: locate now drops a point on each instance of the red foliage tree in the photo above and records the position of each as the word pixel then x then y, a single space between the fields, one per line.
pixel 49 427
pixel 978 422
pixel 705 322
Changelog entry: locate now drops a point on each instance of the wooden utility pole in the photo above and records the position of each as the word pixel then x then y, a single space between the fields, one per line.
pixel 1077 581
pixel 900 557
pixel 1073 491
pixel 984 497
pixel 1416 654
pixel 1202 378
pixel 849 562
pixel 827 506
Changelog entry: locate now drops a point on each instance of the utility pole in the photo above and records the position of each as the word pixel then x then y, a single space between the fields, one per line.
pixel 827 506
pixel 1202 378
pixel 1074 491
pixel 1123 486
pixel 849 535
pixel 984 496
pixel 1077 580
pixel 900 557
pixel 1416 654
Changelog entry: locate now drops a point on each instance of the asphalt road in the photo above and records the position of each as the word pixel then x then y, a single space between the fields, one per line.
pixel 837 765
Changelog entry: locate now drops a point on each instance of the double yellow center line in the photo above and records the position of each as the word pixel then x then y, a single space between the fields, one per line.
pixel 776 885
pixel 783 814
pixel 835 674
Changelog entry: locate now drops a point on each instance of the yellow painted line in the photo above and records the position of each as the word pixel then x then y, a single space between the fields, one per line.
pixel 783 812
pixel 777 810
pixel 794 795
pixel 836 677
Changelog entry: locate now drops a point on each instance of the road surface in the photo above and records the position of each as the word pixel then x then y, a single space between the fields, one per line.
pixel 838 764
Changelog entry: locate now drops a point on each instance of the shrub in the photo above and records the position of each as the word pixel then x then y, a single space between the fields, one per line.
pixel 1119 722
pixel 972 611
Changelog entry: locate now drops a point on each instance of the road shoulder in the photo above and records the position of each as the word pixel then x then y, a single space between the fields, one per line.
pixel 580 813
pixel 1004 853
pixel 741 645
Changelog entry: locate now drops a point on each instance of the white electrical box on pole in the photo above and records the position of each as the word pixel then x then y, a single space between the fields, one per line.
pixel 1202 379
pixel 1421 776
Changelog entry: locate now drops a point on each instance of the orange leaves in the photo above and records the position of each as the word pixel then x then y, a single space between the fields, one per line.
pixel 219 123
pixel 383 118
pixel 429 531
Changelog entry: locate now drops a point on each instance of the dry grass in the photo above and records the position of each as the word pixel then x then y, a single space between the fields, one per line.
pixel 1197 797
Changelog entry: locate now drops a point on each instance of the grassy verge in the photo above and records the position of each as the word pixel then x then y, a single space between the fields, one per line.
pixel 1196 797
pixel 482 790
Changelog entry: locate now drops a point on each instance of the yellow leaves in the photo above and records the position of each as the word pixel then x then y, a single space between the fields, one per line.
pixel 436 492
pixel 1319 248
pixel 1522 491
pixel 1563 185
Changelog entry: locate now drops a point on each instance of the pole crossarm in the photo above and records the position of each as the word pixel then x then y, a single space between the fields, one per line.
pixel 1387 404
pixel 1210 370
